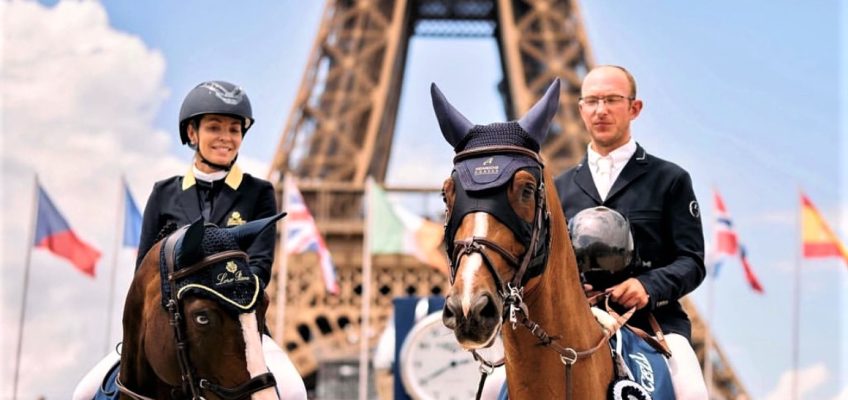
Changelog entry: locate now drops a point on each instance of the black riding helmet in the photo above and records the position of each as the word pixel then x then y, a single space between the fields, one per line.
pixel 603 245
pixel 215 97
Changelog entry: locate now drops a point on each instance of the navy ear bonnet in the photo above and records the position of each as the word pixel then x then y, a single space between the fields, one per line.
pixel 481 175
pixel 486 172
pixel 225 278
pixel 229 282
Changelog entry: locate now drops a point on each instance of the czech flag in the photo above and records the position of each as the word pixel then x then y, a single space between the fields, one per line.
pixel 132 220
pixel 53 233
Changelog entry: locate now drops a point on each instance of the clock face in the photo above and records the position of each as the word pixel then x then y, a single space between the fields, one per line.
pixel 434 366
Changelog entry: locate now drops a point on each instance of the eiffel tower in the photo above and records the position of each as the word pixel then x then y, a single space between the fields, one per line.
pixel 340 129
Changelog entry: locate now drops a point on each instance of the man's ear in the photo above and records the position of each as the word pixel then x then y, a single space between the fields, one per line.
pixel 635 108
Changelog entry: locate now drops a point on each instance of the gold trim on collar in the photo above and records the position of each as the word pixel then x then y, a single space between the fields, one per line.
pixel 188 179
pixel 234 178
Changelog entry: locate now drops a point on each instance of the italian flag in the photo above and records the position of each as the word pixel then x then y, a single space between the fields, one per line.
pixel 396 230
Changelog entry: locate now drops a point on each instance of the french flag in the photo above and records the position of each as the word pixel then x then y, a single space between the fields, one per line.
pixel 53 233
pixel 726 242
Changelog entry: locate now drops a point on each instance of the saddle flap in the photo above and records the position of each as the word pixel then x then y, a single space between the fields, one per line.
pixel 642 363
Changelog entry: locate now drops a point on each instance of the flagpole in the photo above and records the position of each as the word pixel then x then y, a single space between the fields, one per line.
pixel 110 303
pixel 366 292
pixel 708 339
pixel 282 265
pixel 796 313
pixel 27 263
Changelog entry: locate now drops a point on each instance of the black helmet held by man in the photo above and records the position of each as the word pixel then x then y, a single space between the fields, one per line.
pixel 218 98
pixel 603 246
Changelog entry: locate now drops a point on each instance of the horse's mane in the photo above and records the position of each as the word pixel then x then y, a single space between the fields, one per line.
pixel 166 230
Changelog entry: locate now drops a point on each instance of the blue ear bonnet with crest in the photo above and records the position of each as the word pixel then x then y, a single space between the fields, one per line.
pixel 485 163
pixel 489 171
pixel 228 280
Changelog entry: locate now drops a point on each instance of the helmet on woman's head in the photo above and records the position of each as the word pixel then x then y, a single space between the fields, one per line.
pixel 215 97
pixel 603 244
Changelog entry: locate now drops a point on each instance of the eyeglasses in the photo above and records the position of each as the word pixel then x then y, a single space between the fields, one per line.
pixel 612 100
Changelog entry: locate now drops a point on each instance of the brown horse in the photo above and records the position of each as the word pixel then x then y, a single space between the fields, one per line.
pixel 193 319
pixel 512 263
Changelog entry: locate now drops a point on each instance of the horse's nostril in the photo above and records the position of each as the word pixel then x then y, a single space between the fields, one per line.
pixel 489 311
pixel 448 315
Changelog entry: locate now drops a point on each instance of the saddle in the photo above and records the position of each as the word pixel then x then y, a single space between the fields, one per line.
pixel 640 360
pixel 108 390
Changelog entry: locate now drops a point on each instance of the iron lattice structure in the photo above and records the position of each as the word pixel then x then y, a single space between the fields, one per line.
pixel 340 129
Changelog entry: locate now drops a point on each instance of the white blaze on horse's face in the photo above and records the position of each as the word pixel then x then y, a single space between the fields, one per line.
pixel 253 354
pixel 473 262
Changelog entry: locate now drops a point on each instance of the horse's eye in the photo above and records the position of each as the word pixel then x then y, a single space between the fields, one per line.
pixel 201 319
pixel 528 191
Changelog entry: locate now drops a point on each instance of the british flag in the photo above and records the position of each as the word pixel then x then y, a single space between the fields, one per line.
pixel 727 243
pixel 302 235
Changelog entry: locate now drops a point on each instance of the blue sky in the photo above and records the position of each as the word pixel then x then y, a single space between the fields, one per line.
pixel 744 95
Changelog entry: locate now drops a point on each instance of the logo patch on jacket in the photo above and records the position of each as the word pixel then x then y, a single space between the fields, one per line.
pixel 235 219
pixel 694 209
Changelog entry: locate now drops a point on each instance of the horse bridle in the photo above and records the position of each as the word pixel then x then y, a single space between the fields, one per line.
pixel 190 385
pixel 515 310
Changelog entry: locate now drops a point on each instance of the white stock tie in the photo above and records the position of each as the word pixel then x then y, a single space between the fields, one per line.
pixel 604 170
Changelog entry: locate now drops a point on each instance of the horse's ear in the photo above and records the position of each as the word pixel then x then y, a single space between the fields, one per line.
pixel 246 233
pixel 454 125
pixel 538 119
pixel 190 250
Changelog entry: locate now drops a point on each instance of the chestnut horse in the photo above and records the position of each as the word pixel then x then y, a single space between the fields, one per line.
pixel 512 263
pixel 193 319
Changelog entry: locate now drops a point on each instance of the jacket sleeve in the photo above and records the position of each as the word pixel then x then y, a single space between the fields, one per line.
pixel 150 224
pixel 261 252
pixel 682 221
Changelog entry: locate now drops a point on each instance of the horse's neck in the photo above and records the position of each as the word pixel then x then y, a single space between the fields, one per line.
pixel 557 304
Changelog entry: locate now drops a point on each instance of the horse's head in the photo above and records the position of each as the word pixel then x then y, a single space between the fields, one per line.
pixel 497 230
pixel 199 277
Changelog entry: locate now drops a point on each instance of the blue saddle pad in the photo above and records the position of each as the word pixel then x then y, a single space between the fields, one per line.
pixel 109 389
pixel 643 364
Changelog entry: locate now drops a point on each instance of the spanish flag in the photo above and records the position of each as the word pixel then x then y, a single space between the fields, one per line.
pixel 818 240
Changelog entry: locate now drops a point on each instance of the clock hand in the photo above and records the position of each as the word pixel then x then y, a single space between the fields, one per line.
pixel 451 365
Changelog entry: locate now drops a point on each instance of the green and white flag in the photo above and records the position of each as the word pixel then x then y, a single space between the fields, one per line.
pixel 396 230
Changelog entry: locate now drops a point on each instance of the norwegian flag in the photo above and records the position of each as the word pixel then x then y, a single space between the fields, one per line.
pixel 727 243
pixel 726 240
pixel 302 235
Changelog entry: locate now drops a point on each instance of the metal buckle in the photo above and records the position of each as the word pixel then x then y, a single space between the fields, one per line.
pixel 515 302
pixel 570 358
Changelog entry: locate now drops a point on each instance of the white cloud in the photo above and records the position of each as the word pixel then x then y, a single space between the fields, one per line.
pixel 843 395
pixel 78 103
pixel 809 379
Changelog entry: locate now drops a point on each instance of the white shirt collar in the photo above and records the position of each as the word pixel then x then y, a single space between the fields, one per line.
pixel 619 156
pixel 208 177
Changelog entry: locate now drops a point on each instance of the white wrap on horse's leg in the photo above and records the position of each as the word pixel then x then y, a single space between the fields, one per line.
pixel 88 385
pixel 289 382
pixel 686 375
